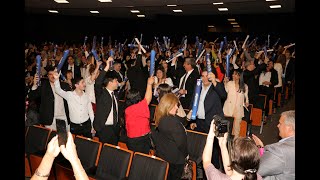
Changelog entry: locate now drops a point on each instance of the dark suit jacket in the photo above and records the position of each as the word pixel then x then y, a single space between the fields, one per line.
pixel 251 78
pixel 170 140
pixel 103 102
pixel 46 110
pixel 190 84
pixel 212 103
pixel 289 76
pixel 77 72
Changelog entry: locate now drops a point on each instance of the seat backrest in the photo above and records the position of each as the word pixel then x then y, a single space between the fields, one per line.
pixel 114 162
pixel 261 101
pixel 88 151
pixel 152 109
pixel 36 139
pixel 196 142
pixel 146 167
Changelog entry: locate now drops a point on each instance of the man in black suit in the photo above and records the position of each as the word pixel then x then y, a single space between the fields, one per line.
pixel 210 104
pixel 106 120
pixel 188 82
pixel 288 72
pixel 121 79
pixel 52 106
pixel 137 76
pixel 71 66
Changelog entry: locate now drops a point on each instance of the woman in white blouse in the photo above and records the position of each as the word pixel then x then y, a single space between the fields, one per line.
pixel 237 99
pixel 161 79
pixel 90 80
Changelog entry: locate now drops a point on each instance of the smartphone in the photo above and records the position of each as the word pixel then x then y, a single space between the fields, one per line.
pixel 61 131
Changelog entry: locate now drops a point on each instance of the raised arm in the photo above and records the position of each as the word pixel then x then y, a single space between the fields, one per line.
pixel 148 95
pixel 207 151
pixel 57 87
pixel 98 85
pixel 95 74
pixel 225 154
pixel 43 171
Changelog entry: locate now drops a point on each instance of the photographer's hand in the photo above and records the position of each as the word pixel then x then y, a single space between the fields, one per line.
pixel 224 153
pixel 257 141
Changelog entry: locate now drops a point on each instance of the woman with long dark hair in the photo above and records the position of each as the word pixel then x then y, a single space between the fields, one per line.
pixel 237 99
pixel 137 117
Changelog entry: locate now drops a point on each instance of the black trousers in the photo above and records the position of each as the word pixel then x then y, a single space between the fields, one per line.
pixel 140 144
pixel 109 134
pixel 83 129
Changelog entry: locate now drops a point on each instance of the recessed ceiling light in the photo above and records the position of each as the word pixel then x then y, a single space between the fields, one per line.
pixel 233 23
pixel 135 11
pixel 94 12
pixel 177 10
pixel 231 19
pixel 61 1
pixel 236 26
pixel 53 11
pixel 217 3
pixel 210 26
pixel 141 15
pixel 171 5
pixel 223 9
pixel 275 6
pixel 105 1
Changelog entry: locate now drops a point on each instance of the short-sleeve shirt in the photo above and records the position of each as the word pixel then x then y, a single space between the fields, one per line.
pixel 137 119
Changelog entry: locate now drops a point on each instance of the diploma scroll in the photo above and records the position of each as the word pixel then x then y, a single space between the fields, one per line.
pixel 245 41
pixel 196 99
pixel 198 58
pixel 152 62
pixel 136 39
pixel 38 69
pixel 228 66
pixel 95 55
pixel 208 61
pixel 94 42
pixel 63 59
pixel 290 45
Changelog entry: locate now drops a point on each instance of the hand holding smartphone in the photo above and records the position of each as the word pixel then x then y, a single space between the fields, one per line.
pixel 62 132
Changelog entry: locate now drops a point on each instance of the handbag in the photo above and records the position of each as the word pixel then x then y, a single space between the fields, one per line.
pixel 187 172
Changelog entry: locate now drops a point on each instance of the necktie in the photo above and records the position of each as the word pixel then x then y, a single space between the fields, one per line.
pixel 115 114
pixel 183 81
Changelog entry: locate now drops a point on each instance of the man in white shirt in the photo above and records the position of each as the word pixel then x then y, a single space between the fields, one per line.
pixel 80 107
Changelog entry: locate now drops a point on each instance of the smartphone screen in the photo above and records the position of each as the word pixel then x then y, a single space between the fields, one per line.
pixel 62 132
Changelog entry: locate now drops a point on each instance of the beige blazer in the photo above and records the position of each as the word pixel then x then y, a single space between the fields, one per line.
pixel 235 102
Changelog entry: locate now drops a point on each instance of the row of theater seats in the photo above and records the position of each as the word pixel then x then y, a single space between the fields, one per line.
pixel 105 161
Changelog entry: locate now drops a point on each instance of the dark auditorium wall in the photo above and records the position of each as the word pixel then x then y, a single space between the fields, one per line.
pixel 58 28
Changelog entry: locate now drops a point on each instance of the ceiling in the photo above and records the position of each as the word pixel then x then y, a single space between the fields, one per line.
pixel 152 8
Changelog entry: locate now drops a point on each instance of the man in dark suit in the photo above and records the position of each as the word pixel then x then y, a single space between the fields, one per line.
pixel 188 82
pixel 52 106
pixel 106 120
pixel 288 72
pixel 137 77
pixel 71 66
pixel 210 104
pixel 121 79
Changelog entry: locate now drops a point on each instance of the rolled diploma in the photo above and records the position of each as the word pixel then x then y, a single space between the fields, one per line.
pixel 245 41
pixel 136 39
pixel 63 59
pixel 152 62
pixel 196 99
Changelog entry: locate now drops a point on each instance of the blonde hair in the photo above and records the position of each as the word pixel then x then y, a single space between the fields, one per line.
pixel 167 102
